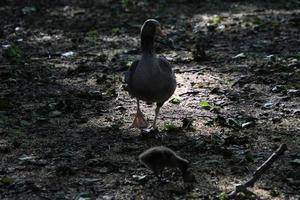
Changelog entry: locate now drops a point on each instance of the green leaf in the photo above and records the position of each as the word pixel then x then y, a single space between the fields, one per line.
pixel 116 30
pixel 128 64
pixel 258 21
pixel 93 34
pixel 222 196
pixel 217 19
pixel 7 180
pixel 175 100
pixel 126 3
pixel 204 104
pixel 12 52
pixel 115 127
pixel 169 126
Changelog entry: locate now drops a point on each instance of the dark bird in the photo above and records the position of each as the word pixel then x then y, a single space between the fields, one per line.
pixel 158 158
pixel 151 78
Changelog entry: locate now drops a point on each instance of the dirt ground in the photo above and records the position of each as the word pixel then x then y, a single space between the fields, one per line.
pixel 65 117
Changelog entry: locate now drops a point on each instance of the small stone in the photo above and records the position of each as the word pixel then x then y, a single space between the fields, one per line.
pixel 103 170
pixel 296 112
pixel 68 54
pixel 240 55
pixel 25 157
pixel 271 58
pixel 268 105
pixel 55 113
pixel 293 92
pixel 277 88
pixel 247 124
pixel 140 178
pixel 295 162
pixel 106 197
pixel 220 103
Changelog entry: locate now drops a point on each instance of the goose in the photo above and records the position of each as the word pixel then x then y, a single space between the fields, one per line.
pixel 150 78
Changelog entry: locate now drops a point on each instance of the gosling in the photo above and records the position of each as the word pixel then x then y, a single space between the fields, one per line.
pixel 160 157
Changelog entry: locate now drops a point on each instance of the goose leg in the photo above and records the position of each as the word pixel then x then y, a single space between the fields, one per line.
pixel 158 174
pixel 153 128
pixel 161 178
pixel 157 109
pixel 139 120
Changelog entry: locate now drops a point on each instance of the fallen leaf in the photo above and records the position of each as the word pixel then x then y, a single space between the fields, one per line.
pixel 216 19
pixel 7 180
pixel 205 104
pixel 175 100
pixel 169 126
pixel 12 52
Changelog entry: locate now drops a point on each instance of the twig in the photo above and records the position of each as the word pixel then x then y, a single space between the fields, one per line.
pixel 259 171
pixel 188 70
pixel 188 93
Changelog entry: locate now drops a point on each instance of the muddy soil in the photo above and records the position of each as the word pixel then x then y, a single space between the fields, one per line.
pixel 65 117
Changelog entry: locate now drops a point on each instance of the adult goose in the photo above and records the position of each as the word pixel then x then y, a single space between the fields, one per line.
pixel 151 78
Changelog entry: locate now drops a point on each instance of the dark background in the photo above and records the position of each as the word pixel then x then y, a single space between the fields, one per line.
pixel 64 116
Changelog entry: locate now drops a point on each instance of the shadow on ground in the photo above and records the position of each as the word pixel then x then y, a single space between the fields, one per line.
pixel 64 117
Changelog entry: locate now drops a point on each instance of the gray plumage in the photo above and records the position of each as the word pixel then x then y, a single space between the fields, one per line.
pixel 151 78
pixel 158 158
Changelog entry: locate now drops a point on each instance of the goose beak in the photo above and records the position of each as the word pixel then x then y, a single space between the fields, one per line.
pixel 160 32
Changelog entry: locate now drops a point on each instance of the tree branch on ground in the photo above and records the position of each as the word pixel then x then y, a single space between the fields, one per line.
pixel 257 174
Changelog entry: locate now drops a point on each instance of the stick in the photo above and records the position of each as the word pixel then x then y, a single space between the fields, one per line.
pixel 191 92
pixel 259 171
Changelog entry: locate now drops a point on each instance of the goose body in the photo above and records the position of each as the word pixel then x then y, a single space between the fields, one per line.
pixel 151 78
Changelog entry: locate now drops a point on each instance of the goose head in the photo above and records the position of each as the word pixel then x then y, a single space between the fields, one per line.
pixel 150 28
